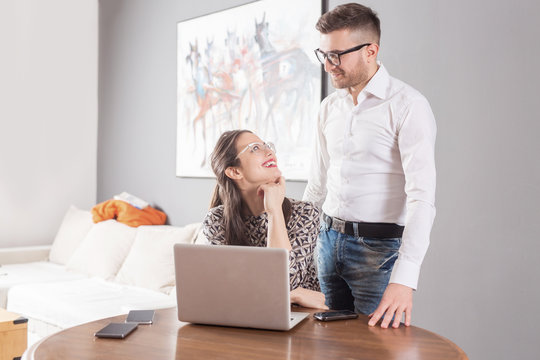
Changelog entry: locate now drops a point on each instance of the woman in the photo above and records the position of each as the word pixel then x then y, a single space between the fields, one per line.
pixel 249 208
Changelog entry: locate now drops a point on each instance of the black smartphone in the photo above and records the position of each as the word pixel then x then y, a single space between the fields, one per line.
pixel 335 315
pixel 116 330
pixel 140 316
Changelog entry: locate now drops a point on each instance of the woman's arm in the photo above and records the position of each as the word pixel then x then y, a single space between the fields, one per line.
pixel 305 231
pixel 308 298
pixel 303 234
pixel 274 194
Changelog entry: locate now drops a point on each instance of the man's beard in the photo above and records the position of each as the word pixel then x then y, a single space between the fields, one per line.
pixel 348 80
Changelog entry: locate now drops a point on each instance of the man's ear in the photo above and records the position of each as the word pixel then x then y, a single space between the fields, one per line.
pixel 372 51
pixel 233 173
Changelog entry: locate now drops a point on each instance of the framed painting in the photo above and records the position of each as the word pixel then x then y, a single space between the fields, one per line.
pixel 249 67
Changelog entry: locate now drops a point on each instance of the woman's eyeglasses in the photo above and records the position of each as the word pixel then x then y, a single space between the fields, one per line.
pixel 258 148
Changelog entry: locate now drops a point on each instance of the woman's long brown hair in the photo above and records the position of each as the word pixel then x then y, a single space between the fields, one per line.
pixel 227 193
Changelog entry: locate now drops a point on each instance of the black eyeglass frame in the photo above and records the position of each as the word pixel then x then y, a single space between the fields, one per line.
pixel 339 53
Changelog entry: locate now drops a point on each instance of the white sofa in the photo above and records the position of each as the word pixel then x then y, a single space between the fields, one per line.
pixel 91 271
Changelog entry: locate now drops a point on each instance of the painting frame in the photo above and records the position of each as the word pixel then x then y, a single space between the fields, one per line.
pixel 249 67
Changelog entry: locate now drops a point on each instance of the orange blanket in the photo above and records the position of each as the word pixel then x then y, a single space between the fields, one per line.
pixel 127 214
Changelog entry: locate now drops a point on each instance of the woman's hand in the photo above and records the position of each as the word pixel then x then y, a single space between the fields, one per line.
pixel 308 298
pixel 273 194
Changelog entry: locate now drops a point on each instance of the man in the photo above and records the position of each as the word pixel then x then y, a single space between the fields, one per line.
pixel 373 172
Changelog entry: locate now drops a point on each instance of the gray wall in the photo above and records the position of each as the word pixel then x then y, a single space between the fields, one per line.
pixel 48 115
pixel 137 111
pixel 477 64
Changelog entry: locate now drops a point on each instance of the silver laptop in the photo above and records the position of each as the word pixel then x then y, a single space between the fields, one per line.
pixel 234 286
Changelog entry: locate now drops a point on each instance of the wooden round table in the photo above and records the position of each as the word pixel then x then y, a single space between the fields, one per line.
pixel 169 338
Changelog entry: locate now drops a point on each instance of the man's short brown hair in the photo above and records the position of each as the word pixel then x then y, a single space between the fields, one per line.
pixel 351 16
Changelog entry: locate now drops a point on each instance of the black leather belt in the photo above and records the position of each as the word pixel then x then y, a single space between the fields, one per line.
pixel 364 229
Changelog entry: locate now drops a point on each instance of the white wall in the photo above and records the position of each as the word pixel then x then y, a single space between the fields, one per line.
pixel 48 115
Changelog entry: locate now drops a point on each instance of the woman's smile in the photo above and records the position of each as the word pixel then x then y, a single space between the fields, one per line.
pixel 270 163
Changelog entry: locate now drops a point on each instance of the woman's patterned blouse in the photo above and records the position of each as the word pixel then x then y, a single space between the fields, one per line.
pixel 303 230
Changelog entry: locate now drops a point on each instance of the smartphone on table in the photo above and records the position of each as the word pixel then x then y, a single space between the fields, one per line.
pixel 116 330
pixel 140 316
pixel 335 315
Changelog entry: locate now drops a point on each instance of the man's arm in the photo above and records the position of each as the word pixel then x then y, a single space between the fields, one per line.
pixel 315 191
pixel 416 142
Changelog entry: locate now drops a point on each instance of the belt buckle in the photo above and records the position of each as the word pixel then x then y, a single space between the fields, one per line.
pixel 339 225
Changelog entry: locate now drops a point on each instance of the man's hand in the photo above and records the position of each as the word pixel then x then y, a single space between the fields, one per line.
pixel 396 300
pixel 308 298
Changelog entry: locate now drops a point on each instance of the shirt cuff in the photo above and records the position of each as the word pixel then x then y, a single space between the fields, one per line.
pixel 405 273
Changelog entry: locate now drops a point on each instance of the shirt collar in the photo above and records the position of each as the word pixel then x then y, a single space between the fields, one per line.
pixel 377 86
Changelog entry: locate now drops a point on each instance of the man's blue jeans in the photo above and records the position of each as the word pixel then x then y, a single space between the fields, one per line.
pixel 354 271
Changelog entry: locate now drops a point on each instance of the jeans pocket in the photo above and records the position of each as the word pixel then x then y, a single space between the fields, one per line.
pixel 323 227
pixel 381 245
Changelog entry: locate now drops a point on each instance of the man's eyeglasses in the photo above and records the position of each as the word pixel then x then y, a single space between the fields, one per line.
pixel 258 148
pixel 335 57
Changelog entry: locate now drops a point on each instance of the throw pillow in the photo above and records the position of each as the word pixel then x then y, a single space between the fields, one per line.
pixel 75 226
pixel 150 262
pixel 200 239
pixel 103 250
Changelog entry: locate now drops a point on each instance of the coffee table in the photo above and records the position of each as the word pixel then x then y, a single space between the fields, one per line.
pixel 169 338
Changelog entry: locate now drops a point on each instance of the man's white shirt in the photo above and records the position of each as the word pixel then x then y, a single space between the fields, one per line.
pixel 374 162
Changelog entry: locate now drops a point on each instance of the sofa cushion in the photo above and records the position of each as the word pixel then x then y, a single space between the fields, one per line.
pixel 75 226
pixel 150 262
pixel 200 239
pixel 103 250
pixel 69 303
pixel 33 272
